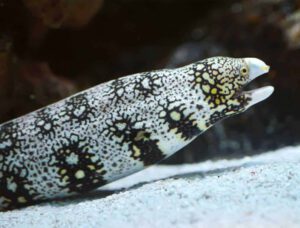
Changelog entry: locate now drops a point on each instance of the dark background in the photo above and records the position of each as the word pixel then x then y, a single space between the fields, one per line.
pixel 50 49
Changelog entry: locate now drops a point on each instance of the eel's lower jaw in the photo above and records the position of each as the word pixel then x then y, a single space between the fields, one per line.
pixel 258 95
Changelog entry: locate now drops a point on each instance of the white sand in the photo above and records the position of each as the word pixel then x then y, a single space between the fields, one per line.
pixel 260 191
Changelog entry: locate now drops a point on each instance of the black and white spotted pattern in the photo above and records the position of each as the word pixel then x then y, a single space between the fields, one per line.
pixel 114 129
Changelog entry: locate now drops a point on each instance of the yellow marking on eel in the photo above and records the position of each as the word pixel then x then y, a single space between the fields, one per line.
pixel 175 116
pixel 80 174
pixel 213 91
pixel 137 151
pixel 91 167
pixel 22 199
pixel 206 88
pixel 63 171
pixel 139 136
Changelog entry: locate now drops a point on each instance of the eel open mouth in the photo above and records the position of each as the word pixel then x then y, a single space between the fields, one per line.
pixel 256 68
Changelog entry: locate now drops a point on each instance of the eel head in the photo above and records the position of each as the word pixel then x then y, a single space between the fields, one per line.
pixel 222 80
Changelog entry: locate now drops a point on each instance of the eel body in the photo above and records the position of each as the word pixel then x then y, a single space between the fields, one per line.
pixel 119 127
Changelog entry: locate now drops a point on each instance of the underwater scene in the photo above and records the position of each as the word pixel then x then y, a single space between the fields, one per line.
pixel 92 91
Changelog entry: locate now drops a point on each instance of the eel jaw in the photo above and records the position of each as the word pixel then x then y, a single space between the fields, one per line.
pixel 256 68
pixel 258 95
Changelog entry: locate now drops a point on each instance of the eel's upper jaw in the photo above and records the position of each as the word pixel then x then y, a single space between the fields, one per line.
pixel 256 67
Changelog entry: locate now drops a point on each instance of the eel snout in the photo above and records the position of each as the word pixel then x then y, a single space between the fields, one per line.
pixel 257 68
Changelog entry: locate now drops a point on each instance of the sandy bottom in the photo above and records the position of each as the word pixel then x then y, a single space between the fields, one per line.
pixel 259 191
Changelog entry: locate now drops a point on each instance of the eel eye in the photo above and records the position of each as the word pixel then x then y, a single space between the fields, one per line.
pixel 244 71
